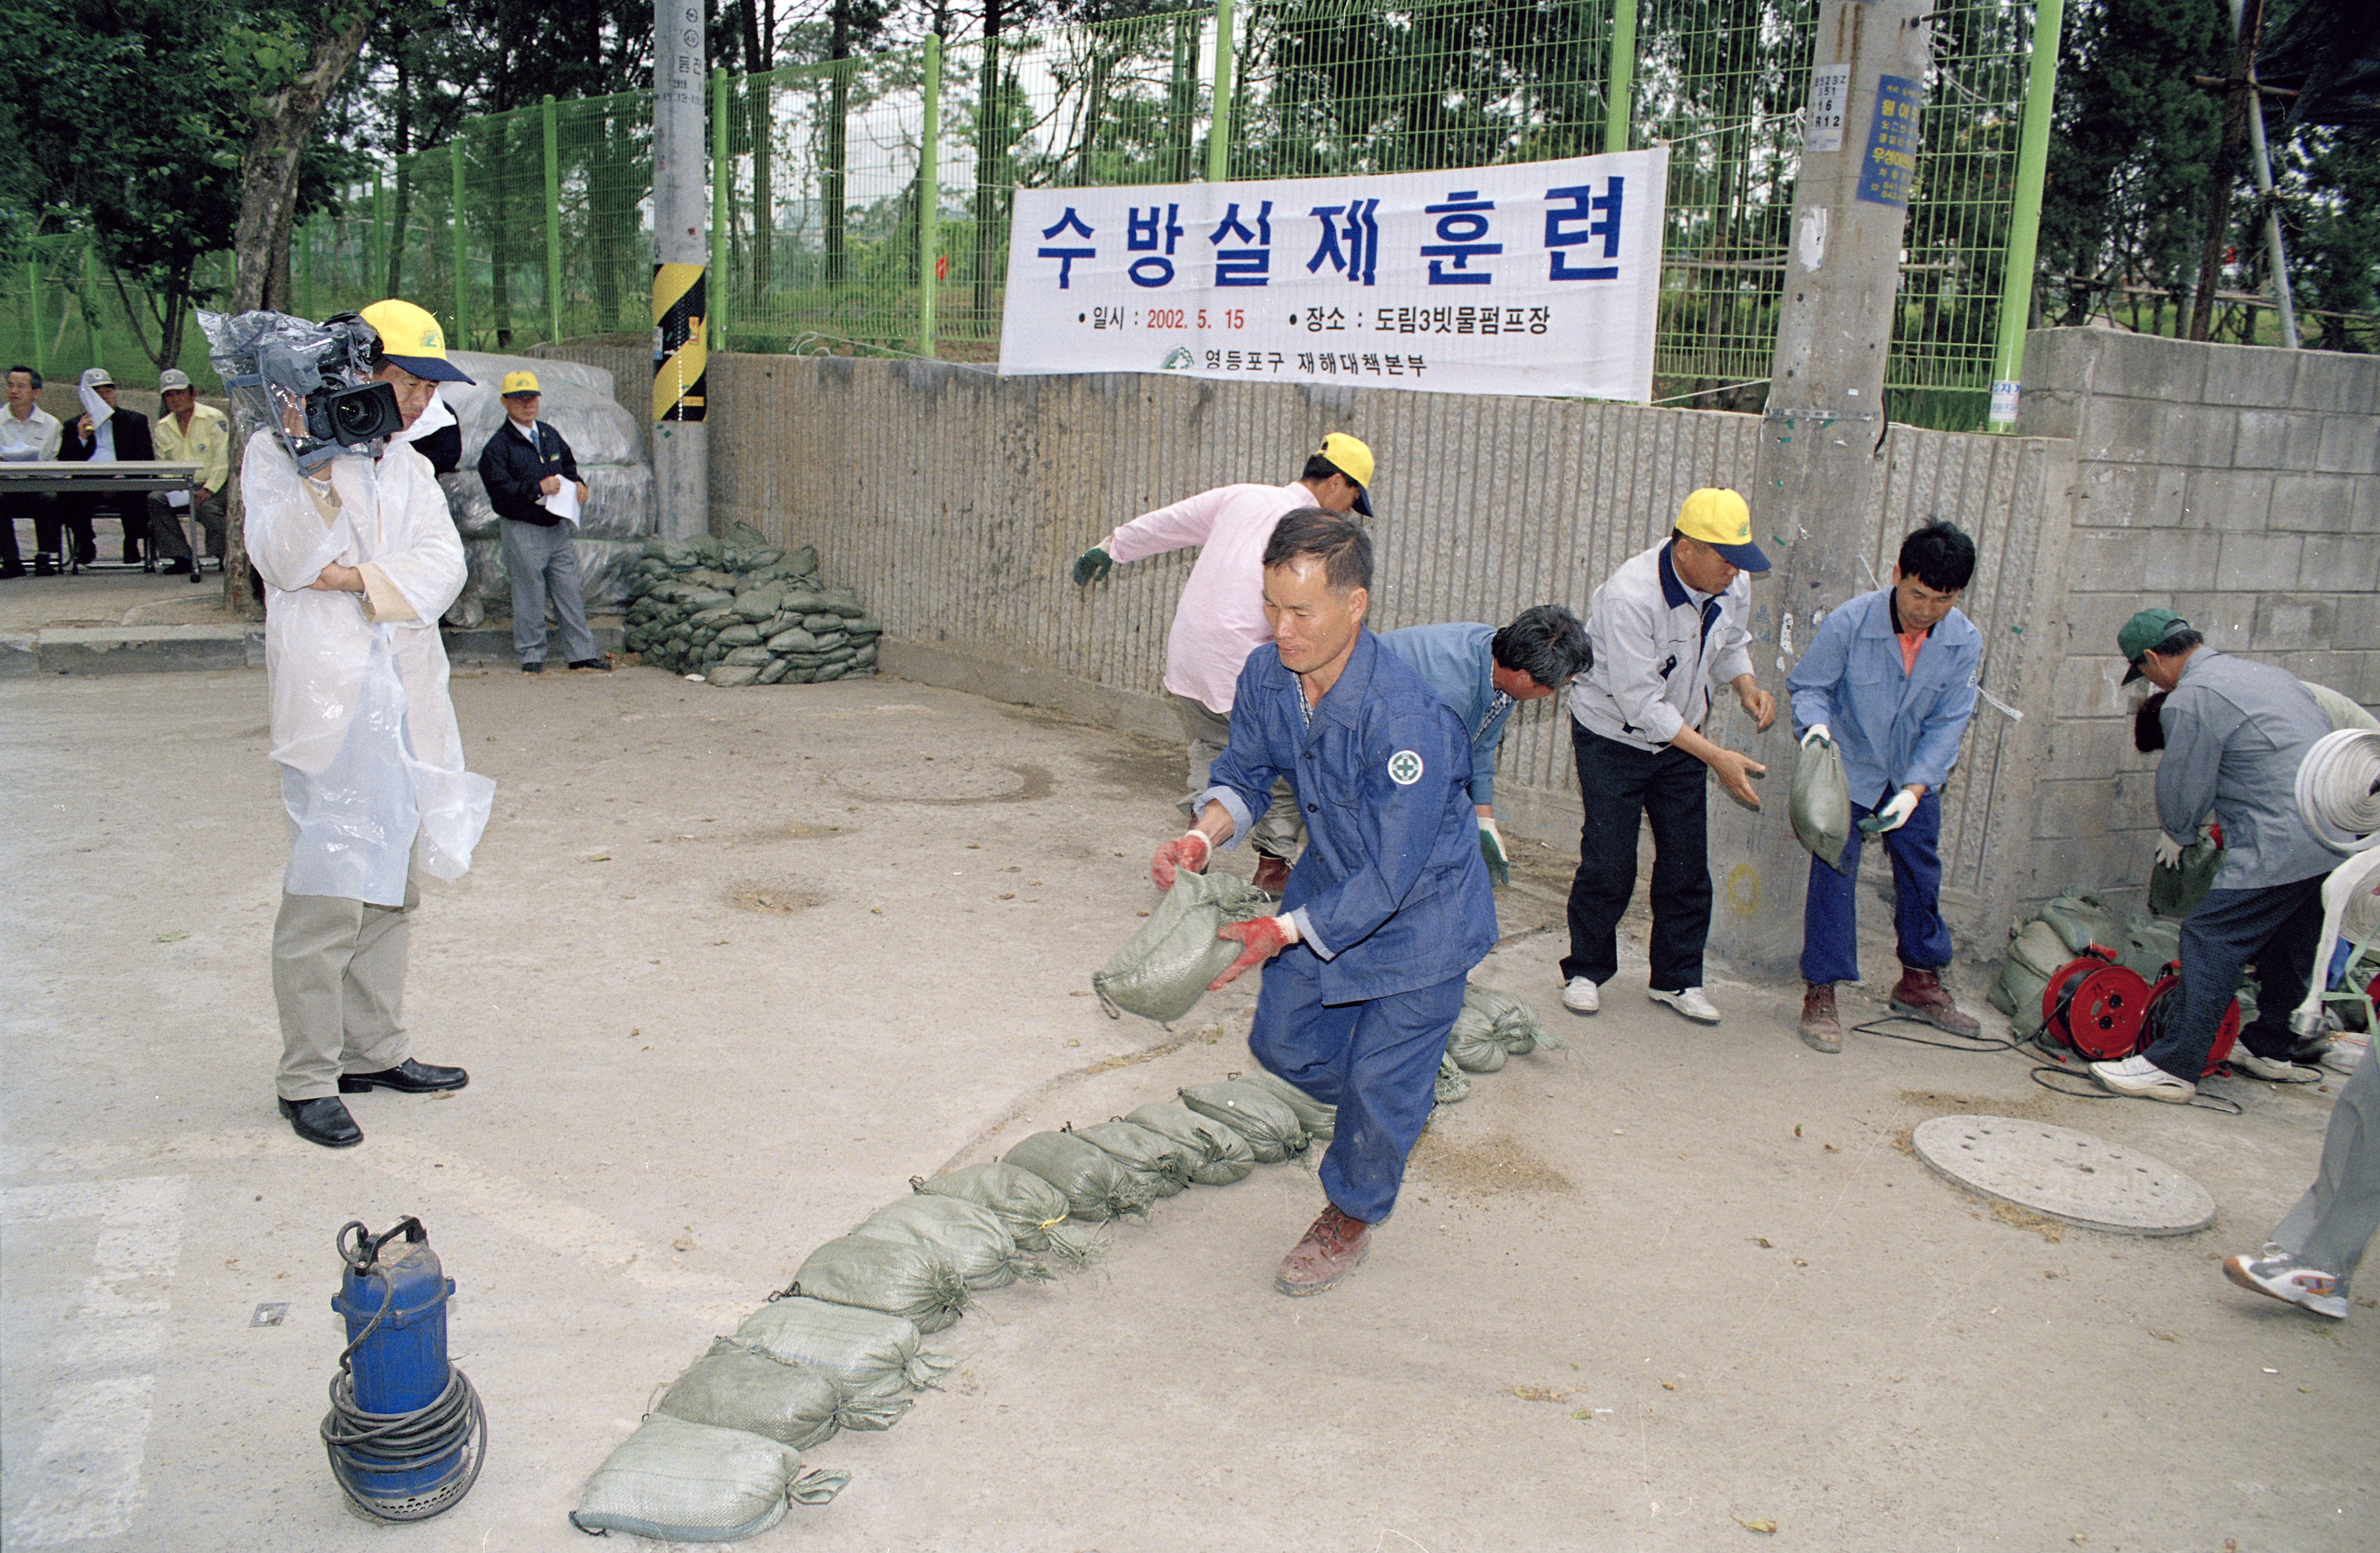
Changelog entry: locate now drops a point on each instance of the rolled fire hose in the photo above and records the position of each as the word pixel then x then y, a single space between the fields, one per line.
pixel 2338 794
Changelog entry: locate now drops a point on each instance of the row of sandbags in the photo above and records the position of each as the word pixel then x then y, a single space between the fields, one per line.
pixel 843 1346
pixel 2066 929
pixel 745 612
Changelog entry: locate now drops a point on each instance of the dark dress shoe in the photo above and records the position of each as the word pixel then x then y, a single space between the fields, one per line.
pixel 323 1120
pixel 407 1077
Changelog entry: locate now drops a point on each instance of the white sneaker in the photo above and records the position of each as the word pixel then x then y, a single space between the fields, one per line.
pixel 2271 1069
pixel 2276 1272
pixel 1581 996
pixel 1688 1001
pixel 2143 1080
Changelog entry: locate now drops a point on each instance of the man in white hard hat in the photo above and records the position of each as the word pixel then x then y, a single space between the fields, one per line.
pixel 1220 618
pixel 189 432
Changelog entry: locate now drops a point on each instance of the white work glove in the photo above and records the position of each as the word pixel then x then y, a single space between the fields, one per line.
pixel 2168 852
pixel 1818 733
pixel 1492 852
pixel 1893 815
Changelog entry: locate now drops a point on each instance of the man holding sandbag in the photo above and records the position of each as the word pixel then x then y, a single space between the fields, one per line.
pixel 1387 911
pixel 1890 681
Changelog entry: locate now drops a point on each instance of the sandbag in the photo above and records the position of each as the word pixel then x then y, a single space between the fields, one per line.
pixel 1158 1163
pixel 733 1387
pixel 1272 1129
pixel 1097 1186
pixel 1821 802
pixel 1034 1211
pixel 1513 1018
pixel 899 1278
pixel 681 1482
pixel 2151 944
pixel 974 1239
pixel 1161 971
pixel 1318 1119
pixel 1453 1084
pixel 1223 1156
pixel 1472 1042
pixel 2035 952
pixel 2176 889
pixel 2079 921
pixel 873 1353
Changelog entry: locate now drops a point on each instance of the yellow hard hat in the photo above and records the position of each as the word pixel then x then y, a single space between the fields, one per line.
pixel 1353 460
pixel 411 338
pixel 520 383
pixel 1723 519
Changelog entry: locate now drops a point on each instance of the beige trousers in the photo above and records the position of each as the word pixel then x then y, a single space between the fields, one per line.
pixel 1278 831
pixel 338 976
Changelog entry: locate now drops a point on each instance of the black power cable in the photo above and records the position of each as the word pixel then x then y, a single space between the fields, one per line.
pixel 362 1445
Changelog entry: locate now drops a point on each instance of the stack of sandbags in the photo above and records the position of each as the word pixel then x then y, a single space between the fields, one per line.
pixel 745 612
pixel 576 401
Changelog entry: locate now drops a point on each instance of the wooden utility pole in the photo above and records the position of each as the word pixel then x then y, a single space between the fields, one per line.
pixel 1816 483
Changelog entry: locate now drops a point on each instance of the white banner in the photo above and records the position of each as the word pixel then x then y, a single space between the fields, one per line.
pixel 1537 279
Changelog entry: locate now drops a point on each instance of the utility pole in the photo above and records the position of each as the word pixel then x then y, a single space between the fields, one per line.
pixel 681 255
pixel 1816 483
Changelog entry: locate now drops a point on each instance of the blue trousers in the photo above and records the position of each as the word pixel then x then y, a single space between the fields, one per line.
pixel 2275 926
pixel 1830 912
pixel 1375 1060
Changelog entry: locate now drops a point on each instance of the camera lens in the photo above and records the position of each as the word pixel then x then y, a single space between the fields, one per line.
pixel 358 415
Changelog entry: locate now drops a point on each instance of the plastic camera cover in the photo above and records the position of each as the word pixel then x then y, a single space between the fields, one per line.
pixel 270 364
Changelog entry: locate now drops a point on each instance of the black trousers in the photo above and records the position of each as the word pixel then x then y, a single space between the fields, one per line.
pixel 73 515
pixel 13 507
pixel 1617 783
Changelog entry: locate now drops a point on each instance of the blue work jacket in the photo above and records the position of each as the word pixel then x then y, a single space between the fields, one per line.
pixel 1894 726
pixel 1391 893
pixel 1458 663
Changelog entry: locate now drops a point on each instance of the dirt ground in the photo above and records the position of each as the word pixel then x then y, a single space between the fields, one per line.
pixel 733 967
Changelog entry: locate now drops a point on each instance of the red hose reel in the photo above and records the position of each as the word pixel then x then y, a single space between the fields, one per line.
pixel 2107 1011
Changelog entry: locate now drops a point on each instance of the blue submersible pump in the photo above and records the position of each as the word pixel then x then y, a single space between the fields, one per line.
pixel 405 1432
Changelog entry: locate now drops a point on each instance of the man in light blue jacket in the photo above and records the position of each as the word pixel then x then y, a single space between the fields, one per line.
pixel 1890 682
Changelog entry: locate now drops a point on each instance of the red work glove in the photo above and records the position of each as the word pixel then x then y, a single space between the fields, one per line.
pixel 1265 938
pixel 1189 852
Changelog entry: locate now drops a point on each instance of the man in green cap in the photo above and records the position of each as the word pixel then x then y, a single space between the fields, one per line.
pixel 2235 733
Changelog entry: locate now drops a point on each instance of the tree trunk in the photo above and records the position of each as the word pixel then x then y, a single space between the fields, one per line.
pixel 2235 133
pixel 268 207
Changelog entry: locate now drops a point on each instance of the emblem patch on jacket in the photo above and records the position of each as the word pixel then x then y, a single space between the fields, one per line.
pixel 1404 768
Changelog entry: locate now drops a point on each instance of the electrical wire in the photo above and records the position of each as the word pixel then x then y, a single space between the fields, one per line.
pixel 362 1445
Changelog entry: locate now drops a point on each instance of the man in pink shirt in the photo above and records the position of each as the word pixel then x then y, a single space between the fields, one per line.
pixel 1220 619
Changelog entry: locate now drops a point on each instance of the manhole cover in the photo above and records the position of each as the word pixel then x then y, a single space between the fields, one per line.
pixel 2065 1174
pixel 949 779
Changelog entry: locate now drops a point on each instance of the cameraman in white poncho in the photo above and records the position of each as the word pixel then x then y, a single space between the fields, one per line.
pixel 351 535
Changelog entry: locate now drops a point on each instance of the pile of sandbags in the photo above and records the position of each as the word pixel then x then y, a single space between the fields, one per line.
pixel 745 612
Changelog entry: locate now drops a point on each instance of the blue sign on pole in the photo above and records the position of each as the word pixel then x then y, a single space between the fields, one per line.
pixel 1892 159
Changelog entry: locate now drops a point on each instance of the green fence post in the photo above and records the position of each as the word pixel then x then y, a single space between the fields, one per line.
pixel 462 253
pixel 1219 140
pixel 2024 224
pixel 33 306
pixel 552 225
pixel 373 281
pixel 723 185
pixel 1619 78
pixel 929 234
pixel 90 299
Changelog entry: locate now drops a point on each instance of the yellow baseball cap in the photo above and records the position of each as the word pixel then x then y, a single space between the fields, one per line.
pixel 520 383
pixel 1722 519
pixel 1353 460
pixel 411 338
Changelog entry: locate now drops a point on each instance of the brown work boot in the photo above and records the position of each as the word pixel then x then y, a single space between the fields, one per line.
pixel 1821 1029
pixel 1920 995
pixel 1272 874
pixel 1333 1248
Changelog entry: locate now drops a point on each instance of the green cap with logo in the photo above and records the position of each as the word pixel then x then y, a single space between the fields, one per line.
pixel 2145 630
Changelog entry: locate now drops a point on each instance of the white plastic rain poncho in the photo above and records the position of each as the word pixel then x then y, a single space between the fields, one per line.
pixel 363 730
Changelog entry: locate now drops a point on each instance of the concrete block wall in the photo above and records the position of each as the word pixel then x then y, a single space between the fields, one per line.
pixel 2237 485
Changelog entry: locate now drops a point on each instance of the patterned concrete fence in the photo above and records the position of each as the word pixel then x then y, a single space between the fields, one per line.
pixel 956 501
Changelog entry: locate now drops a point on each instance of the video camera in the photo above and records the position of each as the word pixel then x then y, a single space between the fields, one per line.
pixel 309 382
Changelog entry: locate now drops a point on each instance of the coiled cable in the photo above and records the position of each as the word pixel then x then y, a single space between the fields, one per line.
pixel 2339 790
pixel 363 1446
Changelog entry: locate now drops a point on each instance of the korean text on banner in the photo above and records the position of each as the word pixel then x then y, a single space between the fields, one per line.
pixel 1538 278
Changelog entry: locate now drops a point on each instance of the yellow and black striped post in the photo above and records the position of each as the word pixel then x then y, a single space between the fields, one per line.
pixel 681 342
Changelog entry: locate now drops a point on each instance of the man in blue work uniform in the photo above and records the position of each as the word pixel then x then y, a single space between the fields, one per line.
pixel 1890 682
pixel 1388 909
pixel 1482 673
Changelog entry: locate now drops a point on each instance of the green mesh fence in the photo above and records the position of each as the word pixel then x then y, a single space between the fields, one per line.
pixel 536 224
